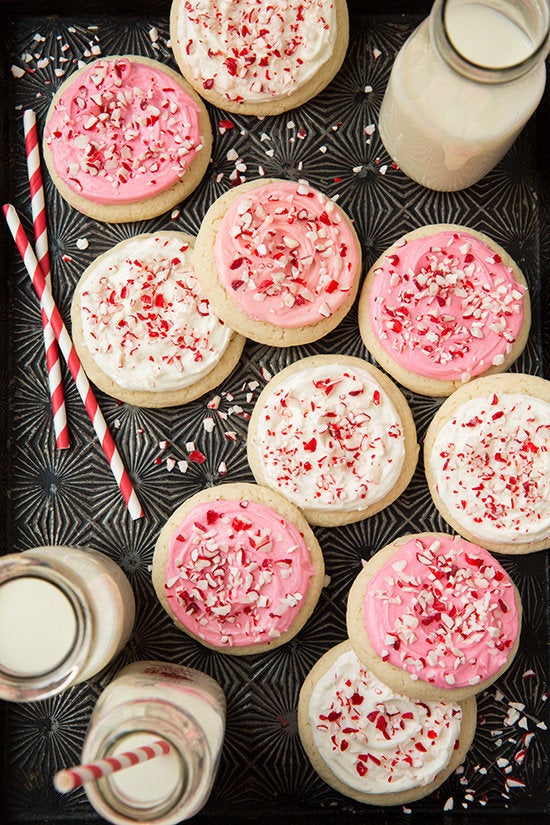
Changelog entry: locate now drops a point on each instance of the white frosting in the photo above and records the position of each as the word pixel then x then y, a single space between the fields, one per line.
pixel 374 740
pixel 144 318
pixel 330 437
pixel 243 49
pixel 491 465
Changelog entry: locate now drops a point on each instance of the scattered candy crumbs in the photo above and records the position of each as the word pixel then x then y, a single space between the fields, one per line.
pixel 515 717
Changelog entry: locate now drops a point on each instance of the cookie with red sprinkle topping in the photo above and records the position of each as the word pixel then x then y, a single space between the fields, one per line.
pixel 279 260
pixel 487 462
pixel 142 327
pixel 434 616
pixel 335 436
pixel 443 305
pixel 126 139
pixel 259 58
pixel 238 568
pixel 372 743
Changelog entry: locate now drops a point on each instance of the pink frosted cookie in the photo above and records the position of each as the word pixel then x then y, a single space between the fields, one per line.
pixel 143 329
pixel 335 436
pixel 238 568
pixel 259 58
pixel 126 139
pixel 487 462
pixel 279 261
pixel 443 305
pixel 374 744
pixel 434 616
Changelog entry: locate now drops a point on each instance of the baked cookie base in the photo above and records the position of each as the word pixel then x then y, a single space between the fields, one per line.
pixel 393 676
pixel 275 105
pixel 143 398
pixel 513 383
pixel 148 207
pixel 332 517
pixel 421 384
pixel 226 309
pixel 467 731
pixel 250 492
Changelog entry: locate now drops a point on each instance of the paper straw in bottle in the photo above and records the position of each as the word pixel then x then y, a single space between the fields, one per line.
pixel 70 778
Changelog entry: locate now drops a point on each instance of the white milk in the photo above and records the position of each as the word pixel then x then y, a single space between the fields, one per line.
pixel 148 783
pixel 111 601
pixel 38 626
pixel 444 130
pixel 65 612
pixel 156 700
pixel 486 37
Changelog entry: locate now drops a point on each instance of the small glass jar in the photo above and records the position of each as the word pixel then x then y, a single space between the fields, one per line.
pixel 462 87
pixel 65 612
pixel 148 701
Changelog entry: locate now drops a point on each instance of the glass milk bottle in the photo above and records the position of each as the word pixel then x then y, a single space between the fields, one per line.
pixel 148 701
pixel 462 87
pixel 65 612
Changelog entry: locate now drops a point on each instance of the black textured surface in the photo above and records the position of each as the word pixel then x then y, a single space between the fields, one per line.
pixel 70 497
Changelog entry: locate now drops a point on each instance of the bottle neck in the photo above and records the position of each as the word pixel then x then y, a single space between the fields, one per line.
pixel 47 628
pixel 164 790
pixel 491 41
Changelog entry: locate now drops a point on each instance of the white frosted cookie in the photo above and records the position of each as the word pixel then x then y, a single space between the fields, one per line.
pixel 279 261
pixel 126 139
pixel 335 436
pixel 434 617
pixel 373 744
pixel 238 568
pixel 259 58
pixel 144 331
pixel 487 462
pixel 443 305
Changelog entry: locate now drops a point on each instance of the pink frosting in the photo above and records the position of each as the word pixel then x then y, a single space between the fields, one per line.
pixel 445 306
pixel 443 610
pixel 122 132
pixel 286 254
pixel 237 573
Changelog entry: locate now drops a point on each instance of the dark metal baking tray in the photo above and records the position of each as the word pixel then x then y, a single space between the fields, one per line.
pixel 69 497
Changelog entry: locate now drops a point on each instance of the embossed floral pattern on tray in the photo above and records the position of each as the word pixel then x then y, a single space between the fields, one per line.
pixel 70 497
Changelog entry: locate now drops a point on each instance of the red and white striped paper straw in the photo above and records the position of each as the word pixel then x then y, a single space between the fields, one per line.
pixel 75 367
pixel 71 778
pixel 38 206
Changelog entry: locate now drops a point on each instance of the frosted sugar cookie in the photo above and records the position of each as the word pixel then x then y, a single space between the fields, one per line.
pixel 335 436
pixel 126 139
pixel 259 58
pixel 279 261
pixel 238 568
pixel 144 331
pixel 434 616
pixel 373 744
pixel 444 304
pixel 487 461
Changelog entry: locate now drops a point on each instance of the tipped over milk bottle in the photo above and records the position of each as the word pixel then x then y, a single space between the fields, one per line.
pixel 148 701
pixel 462 87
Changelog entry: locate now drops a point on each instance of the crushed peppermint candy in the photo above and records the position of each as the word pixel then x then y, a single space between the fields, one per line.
pixel 440 309
pixel 104 129
pixel 375 740
pixel 286 254
pixel 449 617
pixel 231 578
pixel 250 52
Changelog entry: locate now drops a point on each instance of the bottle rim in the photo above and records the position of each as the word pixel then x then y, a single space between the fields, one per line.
pixel 19 687
pixel 487 74
pixel 156 718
